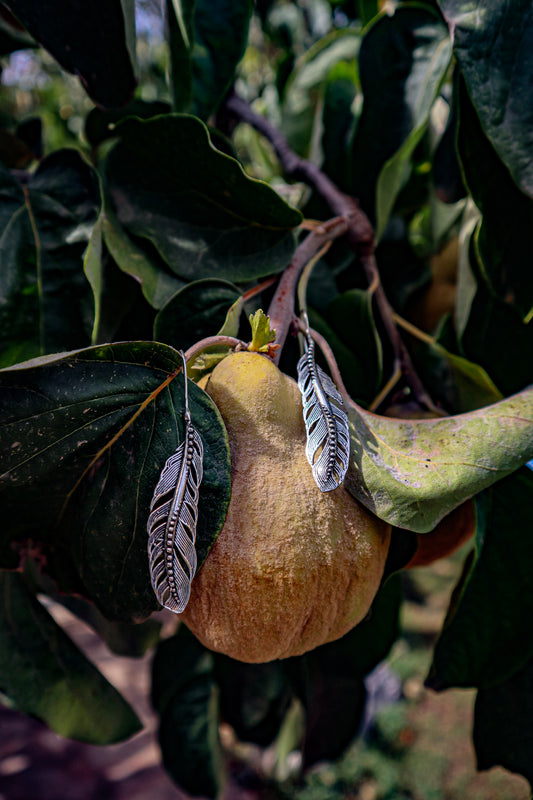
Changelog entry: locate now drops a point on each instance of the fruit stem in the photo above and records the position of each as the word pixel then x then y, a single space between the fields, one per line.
pixel 212 341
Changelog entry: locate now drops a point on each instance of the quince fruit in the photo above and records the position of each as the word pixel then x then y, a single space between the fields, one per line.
pixel 292 568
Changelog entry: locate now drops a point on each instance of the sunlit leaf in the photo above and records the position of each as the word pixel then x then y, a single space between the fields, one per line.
pixel 413 472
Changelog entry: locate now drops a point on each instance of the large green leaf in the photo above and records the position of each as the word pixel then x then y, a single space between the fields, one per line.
pixel 85 436
pixel 205 216
pixel 184 694
pixel 43 673
pixel 89 42
pixel 403 62
pixel 413 472
pixel 45 298
pixel 489 637
pixel 503 734
pixel 196 311
pixel 493 42
pixel 506 230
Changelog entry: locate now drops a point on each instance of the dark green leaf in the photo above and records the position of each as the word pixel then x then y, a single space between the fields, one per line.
pixel 12 34
pixel 459 384
pixel 367 10
pixel 354 340
pixel 196 311
pixel 117 296
pixel 490 634
pixel 254 698
pixel 413 472
pixel 506 231
pixel 503 734
pixel 92 46
pixel 498 339
pixel 221 36
pixel 43 673
pixel 232 227
pixel 304 91
pixel 81 464
pixel 351 316
pixel 180 17
pixel 157 282
pixel 338 121
pixel 184 694
pixel 46 302
pixel 329 680
pixel 207 41
pixel 100 122
pixel 494 46
pixel 403 62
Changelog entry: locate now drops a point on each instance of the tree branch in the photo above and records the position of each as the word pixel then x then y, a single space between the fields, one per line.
pixel 359 233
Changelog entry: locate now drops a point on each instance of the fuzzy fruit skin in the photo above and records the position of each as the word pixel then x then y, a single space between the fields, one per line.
pixel 292 568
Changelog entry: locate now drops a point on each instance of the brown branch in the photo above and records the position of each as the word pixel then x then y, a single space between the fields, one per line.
pixel 300 169
pixel 281 309
pixel 360 233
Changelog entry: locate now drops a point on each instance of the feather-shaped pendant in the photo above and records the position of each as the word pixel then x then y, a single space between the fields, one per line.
pixel 326 422
pixel 172 521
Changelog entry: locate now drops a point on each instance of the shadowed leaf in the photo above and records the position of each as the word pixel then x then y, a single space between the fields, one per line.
pixel 43 673
pixel 89 42
pixel 44 229
pixel 81 463
pixel 233 227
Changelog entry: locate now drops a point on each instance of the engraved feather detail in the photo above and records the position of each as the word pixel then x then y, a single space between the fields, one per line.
pixel 326 423
pixel 173 517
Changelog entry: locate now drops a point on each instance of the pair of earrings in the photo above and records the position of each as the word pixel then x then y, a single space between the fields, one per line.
pixel 174 507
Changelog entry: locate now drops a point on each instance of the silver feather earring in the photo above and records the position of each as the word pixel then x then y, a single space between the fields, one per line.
pixel 326 422
pixel 173 517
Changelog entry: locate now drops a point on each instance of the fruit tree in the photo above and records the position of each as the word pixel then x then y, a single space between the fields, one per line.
pixel 266 322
